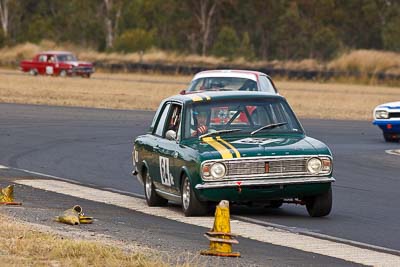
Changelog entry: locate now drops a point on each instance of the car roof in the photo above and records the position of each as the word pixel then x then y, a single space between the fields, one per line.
pixel 248 74
pixel 55 52
pixel 207 96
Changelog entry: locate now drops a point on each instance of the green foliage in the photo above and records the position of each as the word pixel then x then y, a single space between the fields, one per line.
pixel 325 43
pixel 227 43
pixel 284 29
pixel 391 34
pixel 2 38
pixel 246 49
pixel 134 40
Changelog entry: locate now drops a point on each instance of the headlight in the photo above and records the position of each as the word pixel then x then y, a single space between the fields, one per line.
pixel 217 170
pixel 381 114
pixel 314 165
pixel 213 171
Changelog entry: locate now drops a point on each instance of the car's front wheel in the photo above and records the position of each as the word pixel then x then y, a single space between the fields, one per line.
pixel 191 206
pixel 320 205
pixel 152 199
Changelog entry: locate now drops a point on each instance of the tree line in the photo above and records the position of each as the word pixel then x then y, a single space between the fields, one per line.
pixel 253 29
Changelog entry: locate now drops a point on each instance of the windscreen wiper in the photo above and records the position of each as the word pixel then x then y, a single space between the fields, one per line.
pixel 268 126
pixel 219 132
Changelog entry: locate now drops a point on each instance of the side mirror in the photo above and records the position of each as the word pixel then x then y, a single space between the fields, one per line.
pixel 170 135
pixel 183 92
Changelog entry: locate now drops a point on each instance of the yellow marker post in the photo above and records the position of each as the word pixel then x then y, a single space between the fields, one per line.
pixel 220 236
pixel 7 196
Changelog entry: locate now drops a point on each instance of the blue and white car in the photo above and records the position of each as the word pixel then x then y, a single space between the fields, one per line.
pixel 387 117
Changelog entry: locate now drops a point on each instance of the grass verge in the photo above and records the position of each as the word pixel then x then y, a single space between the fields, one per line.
pixel 23 245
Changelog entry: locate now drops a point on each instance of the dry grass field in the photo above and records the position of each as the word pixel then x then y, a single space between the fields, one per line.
pixel 144 91
pixel 364 61
pixel 24 245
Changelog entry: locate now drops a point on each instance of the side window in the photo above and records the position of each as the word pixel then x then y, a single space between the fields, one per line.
pixel 175 118
pixel 161 121
pixel 153 122
pixel 42 58
pixel 266 85
pixel 197 85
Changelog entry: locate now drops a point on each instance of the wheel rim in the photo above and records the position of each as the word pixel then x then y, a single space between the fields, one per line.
pixel 63 73
pixel 186 194
pixel 148 186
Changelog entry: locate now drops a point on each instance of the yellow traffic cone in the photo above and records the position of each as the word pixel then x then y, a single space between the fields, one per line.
pixel 85 219
pixel 70 216
pixel 74 216
pixel 7 196
pixel 220 236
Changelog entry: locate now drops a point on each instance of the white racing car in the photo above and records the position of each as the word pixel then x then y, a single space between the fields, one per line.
pixel 231 80
pixel 387 117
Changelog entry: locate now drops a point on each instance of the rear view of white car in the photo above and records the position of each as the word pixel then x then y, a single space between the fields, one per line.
pixel 231 80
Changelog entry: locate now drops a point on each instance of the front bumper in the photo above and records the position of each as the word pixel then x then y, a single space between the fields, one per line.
pixel 264 182
pixel 388 126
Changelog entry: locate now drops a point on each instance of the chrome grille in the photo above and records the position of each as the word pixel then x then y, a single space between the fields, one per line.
pixel 276 167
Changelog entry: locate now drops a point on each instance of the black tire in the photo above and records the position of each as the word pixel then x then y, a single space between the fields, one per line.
pixel 33 72
pixel 63 73
pixel 276 204
pixel 191 206
pixel 320 205
pixel 389 138
pixel 152 199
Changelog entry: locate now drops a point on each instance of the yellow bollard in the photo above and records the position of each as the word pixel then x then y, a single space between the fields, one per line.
pixel 220 236
pixel 7 196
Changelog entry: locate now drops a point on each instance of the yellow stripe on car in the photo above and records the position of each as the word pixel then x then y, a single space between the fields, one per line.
pixel 196 98
pixel 225 153
pixel 230 146
pixel 207 97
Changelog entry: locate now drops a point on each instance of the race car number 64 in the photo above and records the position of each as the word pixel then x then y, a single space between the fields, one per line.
pixel 166 177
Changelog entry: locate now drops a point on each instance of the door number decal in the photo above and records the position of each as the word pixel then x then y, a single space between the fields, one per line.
pixel 166 177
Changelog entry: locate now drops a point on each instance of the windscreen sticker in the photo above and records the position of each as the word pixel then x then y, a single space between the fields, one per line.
pixel 257 141
pixel 166 177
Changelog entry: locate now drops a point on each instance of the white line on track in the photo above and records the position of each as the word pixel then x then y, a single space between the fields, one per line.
pixel 393 152
pixel 253 231
pixel 3 167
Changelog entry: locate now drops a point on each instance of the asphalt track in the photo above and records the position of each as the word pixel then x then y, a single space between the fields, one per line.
pixel 94 146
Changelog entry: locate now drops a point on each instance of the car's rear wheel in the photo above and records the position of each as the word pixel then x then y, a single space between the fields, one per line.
pixel 33 72
pixel 390 138
pixel 152 199
pixel 320 205
pixel 63 73
pixel 191 206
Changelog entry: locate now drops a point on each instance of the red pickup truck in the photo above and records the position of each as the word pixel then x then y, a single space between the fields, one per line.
pixel 59 63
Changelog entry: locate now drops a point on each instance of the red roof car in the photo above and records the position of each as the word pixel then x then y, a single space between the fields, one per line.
pixel 231 80
pixel 59 63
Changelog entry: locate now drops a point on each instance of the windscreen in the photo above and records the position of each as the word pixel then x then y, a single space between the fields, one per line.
pixel 66 57
pixel 223 83
pixel 244 115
